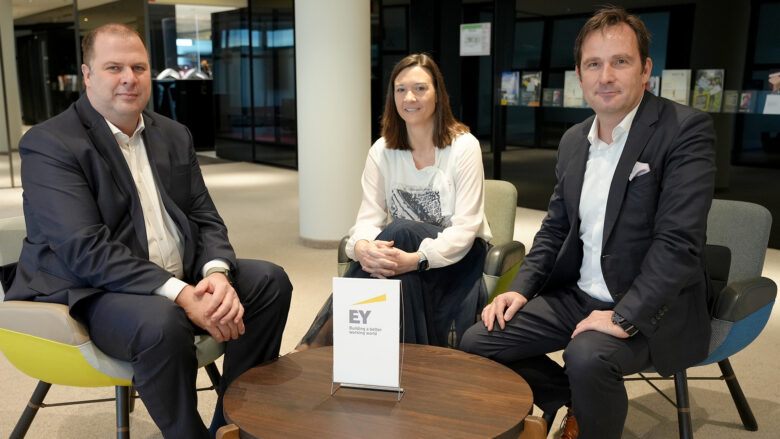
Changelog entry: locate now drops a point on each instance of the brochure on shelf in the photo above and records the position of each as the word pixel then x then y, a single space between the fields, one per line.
pixel 572 91
pixel 531 90
pixel 510 88
pixel 676 85
pixel 708 90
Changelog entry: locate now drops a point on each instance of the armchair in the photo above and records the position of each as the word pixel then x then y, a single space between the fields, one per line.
pixel 504 255
pixel 737 236
pixel 44 342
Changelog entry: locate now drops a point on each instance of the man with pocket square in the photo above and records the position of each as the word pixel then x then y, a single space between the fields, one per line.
pixel 615 276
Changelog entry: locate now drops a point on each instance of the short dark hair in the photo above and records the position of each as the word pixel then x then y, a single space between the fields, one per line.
pixel 608 17
pixel 88 43
pixel 445 127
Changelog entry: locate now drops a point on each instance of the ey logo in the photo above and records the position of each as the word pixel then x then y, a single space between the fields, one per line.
pixel 359 316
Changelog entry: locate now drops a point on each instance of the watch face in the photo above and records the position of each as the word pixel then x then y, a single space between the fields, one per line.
pixel 422 265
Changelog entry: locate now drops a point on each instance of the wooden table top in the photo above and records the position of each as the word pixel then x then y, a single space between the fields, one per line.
pixel 448 393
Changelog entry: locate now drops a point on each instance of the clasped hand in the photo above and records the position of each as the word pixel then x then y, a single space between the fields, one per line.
pixel 382 260
pixel 213 305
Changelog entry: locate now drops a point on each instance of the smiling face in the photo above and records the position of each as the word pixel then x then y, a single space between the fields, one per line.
pixel 415 97
pixel 118 79
pixel 611 72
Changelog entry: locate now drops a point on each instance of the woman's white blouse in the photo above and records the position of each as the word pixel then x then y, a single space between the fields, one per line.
pixel 450 194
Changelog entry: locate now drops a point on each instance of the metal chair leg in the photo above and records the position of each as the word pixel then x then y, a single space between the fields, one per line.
pixel 31 410
pixel 683 405
pixel 214 376
pixel 122 413
pixel 745 413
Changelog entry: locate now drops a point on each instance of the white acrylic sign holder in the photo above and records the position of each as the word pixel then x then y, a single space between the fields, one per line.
pixel 365 334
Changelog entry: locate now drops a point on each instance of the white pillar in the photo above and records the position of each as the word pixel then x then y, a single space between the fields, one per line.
pixel 10 110
pixel 333 81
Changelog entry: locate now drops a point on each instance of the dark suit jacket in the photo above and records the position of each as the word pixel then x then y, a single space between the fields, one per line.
pixel 85 227
pixel 654 229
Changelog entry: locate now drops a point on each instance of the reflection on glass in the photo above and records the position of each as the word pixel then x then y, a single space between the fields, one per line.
pixel 254 84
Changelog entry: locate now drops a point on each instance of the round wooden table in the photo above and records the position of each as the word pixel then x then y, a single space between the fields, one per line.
pixel 448 393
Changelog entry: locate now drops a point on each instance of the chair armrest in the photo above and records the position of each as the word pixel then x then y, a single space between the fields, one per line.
pixel 50 321
pixel 343 251
pixel 740 299
pixel 500 258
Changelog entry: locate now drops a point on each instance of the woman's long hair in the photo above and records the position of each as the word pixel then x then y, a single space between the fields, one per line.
pixel 445 127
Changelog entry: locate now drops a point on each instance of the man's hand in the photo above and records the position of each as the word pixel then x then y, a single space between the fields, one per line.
pixel 194 305
pixel 600 321
pixel 502 309
pixel 224 305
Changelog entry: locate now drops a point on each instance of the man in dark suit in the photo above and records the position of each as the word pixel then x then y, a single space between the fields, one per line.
pixel 615 276
pixel 121 228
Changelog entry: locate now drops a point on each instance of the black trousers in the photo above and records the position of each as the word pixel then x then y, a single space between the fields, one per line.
pixel 595 363
pixel 156 337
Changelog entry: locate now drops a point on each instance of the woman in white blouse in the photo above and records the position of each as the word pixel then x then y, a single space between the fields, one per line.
pixel 422 216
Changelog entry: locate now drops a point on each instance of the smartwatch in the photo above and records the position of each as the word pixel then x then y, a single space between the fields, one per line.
pixel 619 320
pixel 223 270
pixel 423 264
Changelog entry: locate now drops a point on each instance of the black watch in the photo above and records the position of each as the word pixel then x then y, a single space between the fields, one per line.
pixel 619 320
pixel 423 264
pixel 223 270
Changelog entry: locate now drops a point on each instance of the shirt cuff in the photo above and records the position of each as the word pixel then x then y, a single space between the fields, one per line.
pixel 218 262
pixel 171 288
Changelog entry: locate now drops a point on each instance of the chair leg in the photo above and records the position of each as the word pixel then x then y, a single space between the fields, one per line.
pixel 31 410
pixel 745 413
pixel 122 413
pixel 683 405
pixel 548 419
pixel 214 376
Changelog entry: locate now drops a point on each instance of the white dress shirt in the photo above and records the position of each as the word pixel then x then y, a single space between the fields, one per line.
pixel 602 161
pixel 165 242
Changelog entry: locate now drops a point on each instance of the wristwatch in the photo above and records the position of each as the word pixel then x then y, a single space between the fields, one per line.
pixel 423 264
pixel 619 320
pixel 223 270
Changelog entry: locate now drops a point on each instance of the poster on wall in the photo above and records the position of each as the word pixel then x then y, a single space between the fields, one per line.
pixel 475 39
pixel 708 90
pixel 676 85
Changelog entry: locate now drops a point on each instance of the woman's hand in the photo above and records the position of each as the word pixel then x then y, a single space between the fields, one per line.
pixel 382 260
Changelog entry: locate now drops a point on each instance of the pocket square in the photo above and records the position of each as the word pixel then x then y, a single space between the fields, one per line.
pixel 639 169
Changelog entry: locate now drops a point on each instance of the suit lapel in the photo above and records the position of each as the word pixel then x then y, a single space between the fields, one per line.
pixel 106 145
pixel 575 175
pixel 642 130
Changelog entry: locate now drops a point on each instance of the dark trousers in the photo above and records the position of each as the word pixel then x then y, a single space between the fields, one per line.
pixel 433 299
pixel 156 337
pixel 595 363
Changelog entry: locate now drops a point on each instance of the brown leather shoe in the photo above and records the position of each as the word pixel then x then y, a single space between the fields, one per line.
pixel 569 427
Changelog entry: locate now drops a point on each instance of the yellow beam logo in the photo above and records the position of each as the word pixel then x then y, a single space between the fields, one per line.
pixel 382 298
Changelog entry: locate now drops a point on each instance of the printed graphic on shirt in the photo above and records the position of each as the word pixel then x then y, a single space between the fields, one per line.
pixel 417 204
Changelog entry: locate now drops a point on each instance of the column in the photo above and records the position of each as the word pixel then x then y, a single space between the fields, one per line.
pixel 333 82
